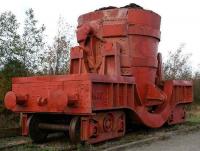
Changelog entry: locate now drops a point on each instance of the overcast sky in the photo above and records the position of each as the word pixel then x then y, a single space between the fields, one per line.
pixel 180 19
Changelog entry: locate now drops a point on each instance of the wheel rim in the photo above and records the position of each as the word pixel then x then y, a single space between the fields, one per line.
pixel 36 134
pixel 74 130
pixel 108 122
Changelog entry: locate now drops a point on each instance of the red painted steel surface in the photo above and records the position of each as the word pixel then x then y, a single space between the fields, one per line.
pixel 116 69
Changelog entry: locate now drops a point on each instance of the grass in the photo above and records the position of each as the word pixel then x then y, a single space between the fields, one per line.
pixel 193 114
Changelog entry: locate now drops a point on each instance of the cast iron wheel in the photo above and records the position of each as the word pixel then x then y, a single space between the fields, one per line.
pixel 74 130
pixel 36 134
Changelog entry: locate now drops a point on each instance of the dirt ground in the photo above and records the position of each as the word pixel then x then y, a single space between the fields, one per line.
pixel 181 142
pixel 9 120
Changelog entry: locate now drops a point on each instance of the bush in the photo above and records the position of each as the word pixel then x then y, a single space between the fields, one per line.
pixel 13 68
pixel 196 90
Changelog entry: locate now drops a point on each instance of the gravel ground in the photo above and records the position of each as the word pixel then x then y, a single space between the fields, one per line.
pixel 60 142
pixel 181 142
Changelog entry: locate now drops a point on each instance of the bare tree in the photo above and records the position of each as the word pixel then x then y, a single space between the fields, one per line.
pixel 177 65
pixel 58 55
pixel 196 74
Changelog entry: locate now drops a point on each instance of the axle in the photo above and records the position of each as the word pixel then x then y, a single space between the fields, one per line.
pixel 56 127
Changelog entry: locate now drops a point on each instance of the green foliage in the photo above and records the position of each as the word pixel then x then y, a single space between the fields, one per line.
pixel 25 47
pixel 25 53
pixel 19 53
pixel 32 42
pixel 177 65
pixel 12 68
pixel 196 90
pixel 9 37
